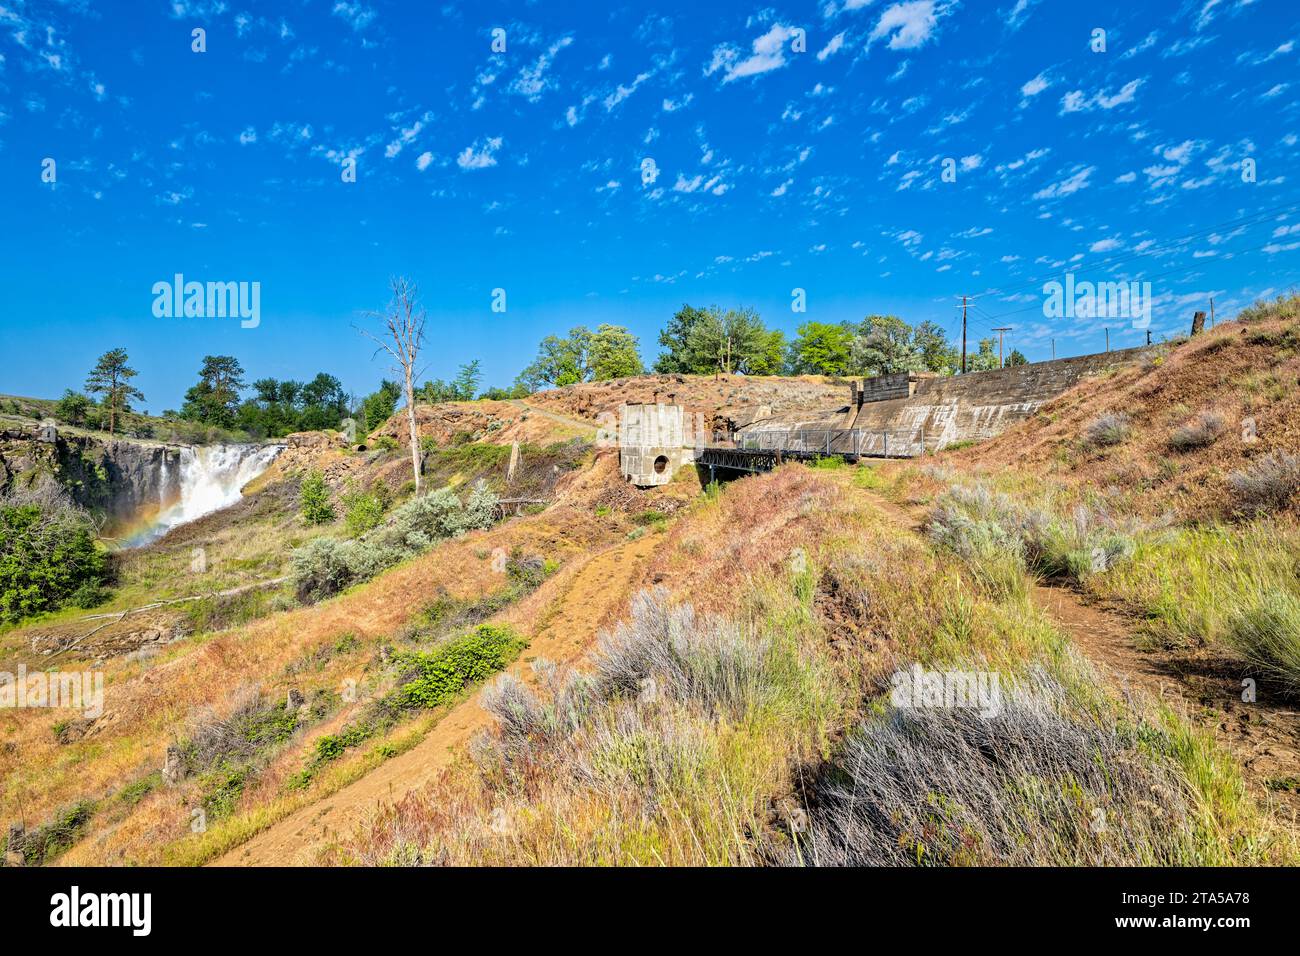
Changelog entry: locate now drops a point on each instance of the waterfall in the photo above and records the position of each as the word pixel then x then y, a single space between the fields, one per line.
pixel 211 477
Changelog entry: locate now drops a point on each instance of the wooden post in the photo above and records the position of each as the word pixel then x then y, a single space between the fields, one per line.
pixel 1198 323
pixel 514 462
pixel 963 335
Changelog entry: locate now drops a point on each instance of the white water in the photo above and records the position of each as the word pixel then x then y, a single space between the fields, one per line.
pixel 210 479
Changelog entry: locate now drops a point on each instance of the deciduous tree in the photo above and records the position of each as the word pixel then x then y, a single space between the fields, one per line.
pixel 403 337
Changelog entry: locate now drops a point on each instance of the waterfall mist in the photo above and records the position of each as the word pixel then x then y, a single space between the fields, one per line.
pixel 205 480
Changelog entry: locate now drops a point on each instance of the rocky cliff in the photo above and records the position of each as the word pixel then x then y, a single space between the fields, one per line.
pixel 117 478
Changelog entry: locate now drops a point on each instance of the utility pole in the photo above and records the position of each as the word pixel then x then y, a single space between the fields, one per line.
pixel 963 335
pixel 1211 311
pixel 1107 340
pixel 1006 328
pixel 1148 336
pixel 1053 350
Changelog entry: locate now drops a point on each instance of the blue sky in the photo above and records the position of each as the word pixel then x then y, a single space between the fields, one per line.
pixel 781 160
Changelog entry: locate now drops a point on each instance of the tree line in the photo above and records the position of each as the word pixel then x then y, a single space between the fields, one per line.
pixel 697 341
pixel 707 341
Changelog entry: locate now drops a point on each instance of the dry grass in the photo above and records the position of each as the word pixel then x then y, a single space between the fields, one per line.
pixel 690 736
pixel 146 700
pixel 1244 369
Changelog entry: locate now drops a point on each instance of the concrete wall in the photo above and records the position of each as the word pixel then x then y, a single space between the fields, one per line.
pixel 882 388
pixel 650 443
pixel 980 405
pixel 957 408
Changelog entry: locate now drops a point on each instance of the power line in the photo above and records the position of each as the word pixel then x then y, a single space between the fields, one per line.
pixel 1166 246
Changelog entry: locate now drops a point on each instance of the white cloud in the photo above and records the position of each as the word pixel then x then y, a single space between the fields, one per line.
pixel 532 81
pixel 831 48
pixel 479 156
pixel 1029 157
pixel 1032 88
pixel 423 160
pixel 672 106
pixel 1077 102
pixel 1019 14
pixel 406 136
pixel 767 54
pixel 1105 245
pixel 623 92
pixel 248 136
pixel 1068 186
pixel 1207 13
pixel 1146 43
pixel 356 15
pixel 909 25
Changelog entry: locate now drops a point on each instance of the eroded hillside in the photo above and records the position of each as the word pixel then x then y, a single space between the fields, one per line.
pixel 596 674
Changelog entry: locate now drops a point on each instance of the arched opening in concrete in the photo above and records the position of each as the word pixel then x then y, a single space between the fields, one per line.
pixel 661 464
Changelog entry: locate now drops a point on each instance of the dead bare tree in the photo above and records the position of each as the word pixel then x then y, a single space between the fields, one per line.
pixel 404 323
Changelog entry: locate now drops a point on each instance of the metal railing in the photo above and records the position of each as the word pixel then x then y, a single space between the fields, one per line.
pixel 850 442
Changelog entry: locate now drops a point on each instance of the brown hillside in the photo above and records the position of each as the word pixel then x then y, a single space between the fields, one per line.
pixel 720 399
pixel 1245 369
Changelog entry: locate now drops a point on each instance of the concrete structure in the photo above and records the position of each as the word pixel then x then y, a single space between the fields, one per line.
pixel 888 416
pixel 944 409
pixel 652 443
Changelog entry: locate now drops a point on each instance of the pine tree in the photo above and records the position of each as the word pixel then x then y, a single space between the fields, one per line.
pixel 111 377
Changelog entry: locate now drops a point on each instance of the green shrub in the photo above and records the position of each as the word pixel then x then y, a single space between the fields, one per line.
pixel 430 679
pixel 1267 633
pixel 827 463
pixel 325 566
pixel 48 555
pixel 443 672
pixel 44 844
pixel 365 510
pixel 89 595
pixel 314 499
pixel 999 538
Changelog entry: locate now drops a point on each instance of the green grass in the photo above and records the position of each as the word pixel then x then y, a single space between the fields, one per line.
pixel 430 679
pixel 1187 584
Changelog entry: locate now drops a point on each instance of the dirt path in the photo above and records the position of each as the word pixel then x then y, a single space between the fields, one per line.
pixel 1262 736
pixel 588 597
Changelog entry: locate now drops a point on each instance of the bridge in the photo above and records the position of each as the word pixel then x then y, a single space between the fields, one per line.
pixel 764 450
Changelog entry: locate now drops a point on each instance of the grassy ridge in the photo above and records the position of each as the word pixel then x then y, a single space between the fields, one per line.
pixel 705 739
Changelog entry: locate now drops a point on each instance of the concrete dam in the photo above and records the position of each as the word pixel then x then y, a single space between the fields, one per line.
pixel 900 415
